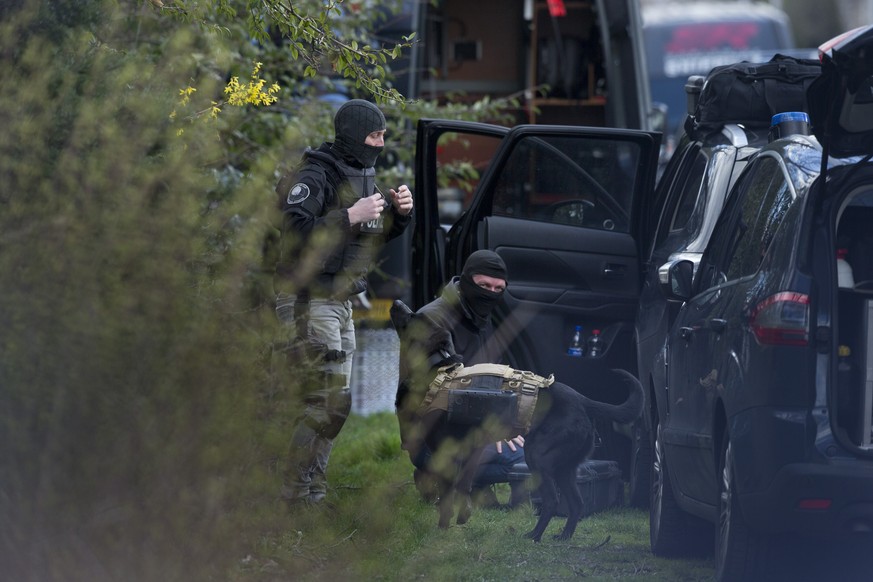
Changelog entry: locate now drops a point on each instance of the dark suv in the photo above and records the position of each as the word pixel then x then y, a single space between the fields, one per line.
pixel 762 423
pixel 689 199
pixel 714 149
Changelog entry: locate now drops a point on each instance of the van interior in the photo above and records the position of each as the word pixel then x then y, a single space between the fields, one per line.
pixel 854 395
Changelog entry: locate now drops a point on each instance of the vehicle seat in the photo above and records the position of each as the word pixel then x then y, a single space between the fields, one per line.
pixel 856 236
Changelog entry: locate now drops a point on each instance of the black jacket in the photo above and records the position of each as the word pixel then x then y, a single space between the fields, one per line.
pixel 474 345
pixel 314 201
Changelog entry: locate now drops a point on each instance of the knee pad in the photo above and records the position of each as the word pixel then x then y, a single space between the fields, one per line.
pixel 339 404
pixel 328 407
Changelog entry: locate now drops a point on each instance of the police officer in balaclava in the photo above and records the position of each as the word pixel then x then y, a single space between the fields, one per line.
pixel 465 310
pixel 334 219
pixel 481 285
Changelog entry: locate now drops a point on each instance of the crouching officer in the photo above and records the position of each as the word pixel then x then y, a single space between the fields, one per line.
pixel 334 218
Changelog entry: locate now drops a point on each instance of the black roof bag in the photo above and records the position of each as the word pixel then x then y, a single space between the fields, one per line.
pixel 751 93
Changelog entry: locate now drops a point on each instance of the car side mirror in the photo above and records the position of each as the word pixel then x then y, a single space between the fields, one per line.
pixel 676 278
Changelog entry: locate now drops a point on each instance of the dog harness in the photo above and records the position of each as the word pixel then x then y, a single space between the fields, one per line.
pixel 470 394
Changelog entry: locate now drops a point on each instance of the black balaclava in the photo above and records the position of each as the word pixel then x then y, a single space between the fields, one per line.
pixel 353 122
pixel 481 301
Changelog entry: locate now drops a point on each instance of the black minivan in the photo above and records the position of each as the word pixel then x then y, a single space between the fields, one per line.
pixel 762 428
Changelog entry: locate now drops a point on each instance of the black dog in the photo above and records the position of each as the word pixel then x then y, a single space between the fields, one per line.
pixel 560 438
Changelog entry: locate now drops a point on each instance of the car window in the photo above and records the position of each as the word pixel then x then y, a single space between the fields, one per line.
pixel 569 180
pixel 681 206
pixel 764 203
pixel 461 159
pixel 677 49
pixel 658 206
pixel 743 234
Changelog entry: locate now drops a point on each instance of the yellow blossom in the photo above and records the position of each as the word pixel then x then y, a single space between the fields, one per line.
pixel 254 92
pixel 251 93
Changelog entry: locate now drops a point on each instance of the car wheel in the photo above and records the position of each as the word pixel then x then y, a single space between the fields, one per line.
pixel 672 532
pixel 640 466
pixel 740 552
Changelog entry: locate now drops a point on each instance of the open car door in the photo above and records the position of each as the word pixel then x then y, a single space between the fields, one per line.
pixel 841 98
pixel 450 156
pixel 562 206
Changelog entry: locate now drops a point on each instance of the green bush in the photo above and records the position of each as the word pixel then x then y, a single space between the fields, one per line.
pixel 132 382
pixel 143 412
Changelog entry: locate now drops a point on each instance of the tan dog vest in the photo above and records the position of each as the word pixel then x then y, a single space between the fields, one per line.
pixel 452 379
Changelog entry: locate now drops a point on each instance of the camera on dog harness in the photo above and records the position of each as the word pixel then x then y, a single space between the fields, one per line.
pixel 473 395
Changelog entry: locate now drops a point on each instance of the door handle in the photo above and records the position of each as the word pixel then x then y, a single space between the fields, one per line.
pixel 717 325
pixel 614 270
pixel 685 332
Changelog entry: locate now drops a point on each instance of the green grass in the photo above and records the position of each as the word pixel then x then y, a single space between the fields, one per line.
pixel 378 528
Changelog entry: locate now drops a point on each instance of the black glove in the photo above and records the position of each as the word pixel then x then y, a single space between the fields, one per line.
pixel 441 348
pixel 401 315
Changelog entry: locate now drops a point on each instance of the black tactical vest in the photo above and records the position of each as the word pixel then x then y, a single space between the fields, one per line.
pixel 344 271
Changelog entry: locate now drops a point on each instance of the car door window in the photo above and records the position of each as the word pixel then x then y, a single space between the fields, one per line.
pixel 681 206
pixel 461 159
pixel 569 180
pixel 764 205
pixel 659 204
pixel 752 216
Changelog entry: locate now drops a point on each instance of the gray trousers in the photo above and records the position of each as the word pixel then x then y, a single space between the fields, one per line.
pixel 325 407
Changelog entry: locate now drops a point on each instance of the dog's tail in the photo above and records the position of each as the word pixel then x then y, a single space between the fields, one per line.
pixel 624 413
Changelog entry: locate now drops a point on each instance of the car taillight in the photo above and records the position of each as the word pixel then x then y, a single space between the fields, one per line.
pixel 782 319
pixel 814 504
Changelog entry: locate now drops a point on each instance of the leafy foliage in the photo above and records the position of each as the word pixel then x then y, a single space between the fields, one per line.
pixel 129 372
pixel 142 410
